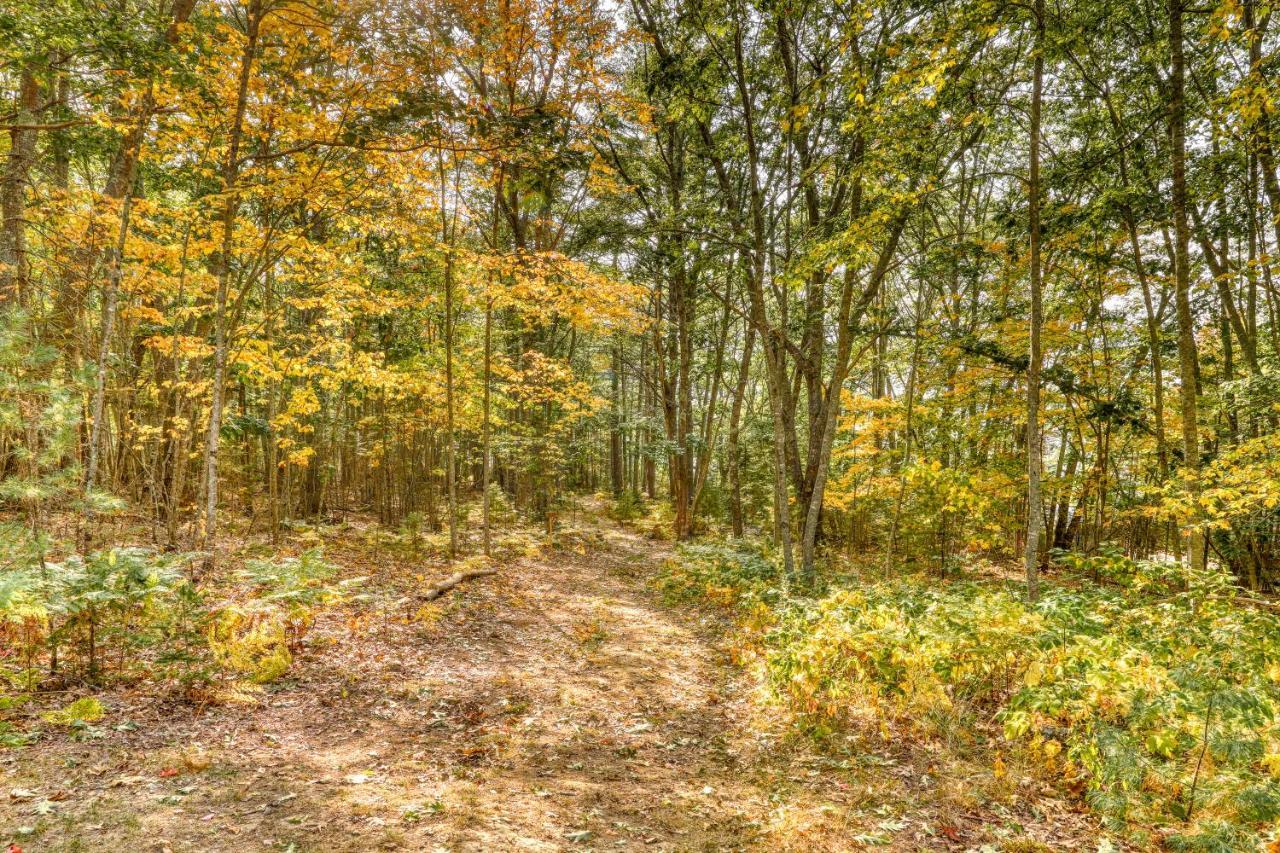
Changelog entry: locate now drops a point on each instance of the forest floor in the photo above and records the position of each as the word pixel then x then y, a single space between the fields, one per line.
pixel 557 705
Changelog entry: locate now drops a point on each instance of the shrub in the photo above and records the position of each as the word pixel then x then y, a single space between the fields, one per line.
pixel 502 511
pixel 114 603
pixel 294 586
pixel 411 530
pixel 99 612
pixel 24 620
pixel 658 522
pixel 258 637
pixel 1159 692
pixel 725 574
pixel 917 654
pixel 628 506
pixel 1168 700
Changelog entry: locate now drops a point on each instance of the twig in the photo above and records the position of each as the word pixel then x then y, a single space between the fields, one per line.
pixel 1204 746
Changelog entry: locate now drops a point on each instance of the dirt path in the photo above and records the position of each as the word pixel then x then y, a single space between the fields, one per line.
pixel 556 706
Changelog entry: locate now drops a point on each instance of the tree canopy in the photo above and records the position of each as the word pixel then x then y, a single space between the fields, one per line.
pixel 910 285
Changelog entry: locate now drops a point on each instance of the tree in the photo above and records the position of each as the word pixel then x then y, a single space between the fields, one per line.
pixel 1187 355
pixel 1035 513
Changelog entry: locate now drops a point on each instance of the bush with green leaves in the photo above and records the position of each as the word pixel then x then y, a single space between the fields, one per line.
pixel 502 512
pixel 108 608
pixel 125 613
pixel 1166 693
pixel 931 656
pixel 24 623
pixel 627 506
pixel 113 602
pixel 411 531
pixel 728 574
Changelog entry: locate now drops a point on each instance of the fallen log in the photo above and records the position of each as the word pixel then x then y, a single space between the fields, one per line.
pixel 453 580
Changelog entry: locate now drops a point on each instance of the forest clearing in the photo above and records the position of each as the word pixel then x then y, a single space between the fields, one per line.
pixel 557 705
pixel 660 425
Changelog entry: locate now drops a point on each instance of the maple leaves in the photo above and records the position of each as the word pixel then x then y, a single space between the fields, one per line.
pixel 331 198
pixel 543 286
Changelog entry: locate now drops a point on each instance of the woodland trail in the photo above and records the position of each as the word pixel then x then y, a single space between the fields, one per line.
pixel 559 705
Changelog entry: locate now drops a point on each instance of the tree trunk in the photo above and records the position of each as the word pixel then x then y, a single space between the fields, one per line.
pixel 733 449
pixel 222 274
pixel 98 406
pixel 617 472
pixel 14 272
pixel 1188 360
pixel 447 236
pixel 1035 513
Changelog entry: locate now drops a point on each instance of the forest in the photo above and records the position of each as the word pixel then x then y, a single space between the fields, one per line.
pixel 648 425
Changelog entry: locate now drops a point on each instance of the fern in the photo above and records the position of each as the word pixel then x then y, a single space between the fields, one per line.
pixel 1160 692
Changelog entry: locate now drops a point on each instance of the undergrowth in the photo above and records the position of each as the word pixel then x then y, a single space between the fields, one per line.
pixel 129 615
pixel 1156 693
pixel 258 635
